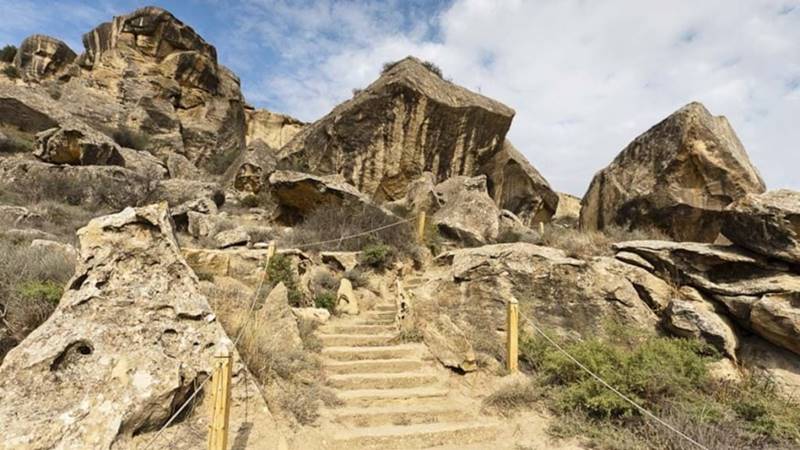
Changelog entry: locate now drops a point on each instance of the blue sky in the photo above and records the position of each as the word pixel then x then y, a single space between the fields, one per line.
pixel 584 77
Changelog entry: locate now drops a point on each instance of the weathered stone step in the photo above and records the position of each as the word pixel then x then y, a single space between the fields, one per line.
pixel 414 436
pixel 384 397
pixel 382 322
pixel 381 380
pixel 380 315
pixel 372 366
pixel 357 329
pixel 361 353
pixel 400 415
pixel 388 307
pixel 356 340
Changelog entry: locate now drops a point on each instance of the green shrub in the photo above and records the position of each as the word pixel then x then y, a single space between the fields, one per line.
pixel 7 53
pixel 41 290
pixel 15 145
pixel 250 201
pixel 11 72
pixel 280 270
pixel 377 256
pixel 129 138
pixel 326 300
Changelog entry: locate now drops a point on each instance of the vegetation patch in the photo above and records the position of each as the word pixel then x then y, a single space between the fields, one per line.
pixel 667 376
pixel 280 270
pixel 7 53
pixel 586 244
pixel 325 300
pixel 127 137
pixel 377 256
pixel 11 72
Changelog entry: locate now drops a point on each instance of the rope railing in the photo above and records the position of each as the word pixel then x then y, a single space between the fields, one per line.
pixel 603 382
pixel 253 304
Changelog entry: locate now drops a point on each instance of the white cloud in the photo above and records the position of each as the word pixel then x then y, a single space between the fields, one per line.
pixel 584 77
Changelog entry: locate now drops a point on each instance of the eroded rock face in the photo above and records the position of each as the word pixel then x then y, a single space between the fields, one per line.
pixel 129 340
pixel 692 316
pixel 251 170
pixel 40 56
pixel 278 316
pixel 517 186
pixel 768 224
pixel 170 83
pixel 467 213
pixel 77 145
pixel 273 129
pixel 677 177
pixel 407 122
pixel 449 344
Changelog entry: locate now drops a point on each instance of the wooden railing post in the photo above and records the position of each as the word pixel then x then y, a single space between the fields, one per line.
pixel 512 331
pixel 421 226
pixel 220 399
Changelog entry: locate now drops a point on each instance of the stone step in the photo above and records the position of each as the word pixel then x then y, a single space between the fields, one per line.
pixel 381 380
pixel 380 315
pixel 386 397
pixel 385 308
pixel 356 340
pixel 382 322
pixel 368 353
pixel 357 329
pixel 372 366
pixel 414 436
pixel 400 415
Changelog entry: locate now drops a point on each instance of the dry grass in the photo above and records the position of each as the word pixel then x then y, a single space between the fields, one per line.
pixel 294 377
pixel 31 282
pixel 586 244
pixel 512 397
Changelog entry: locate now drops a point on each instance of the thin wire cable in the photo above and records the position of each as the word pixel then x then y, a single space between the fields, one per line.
pixel 249 314
pixel 352 236
pixel 614 390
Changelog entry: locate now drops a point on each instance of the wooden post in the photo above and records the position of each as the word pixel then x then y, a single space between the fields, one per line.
pixel 220 399
pixel 512 330
pixel 421 226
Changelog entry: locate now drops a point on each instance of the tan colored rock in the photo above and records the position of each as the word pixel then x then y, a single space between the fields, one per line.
pixel 39 57
pixel 346 301
pixel 678 177
pixel 517 186
pixel 204 225
pixel 776 317
pixel 77 145
pixel 778 365
pixel 97 186
pixel 568 211
pixel 694 317
pixel 178 191
pixel 273 129
pixel 143 163
pixel 180 167
pixel 713 268
pixel 129 341
pixel 251 171
pixel 319 316
pixel 278 316
pixel 420 196
pixel 232 238
pixel 407 122
pixel 241 263
pixel 343 261
pixel 468 213
pixel 768 224
pixel 301 193
pixel 449 344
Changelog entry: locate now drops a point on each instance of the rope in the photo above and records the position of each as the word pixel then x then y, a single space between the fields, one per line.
pixel 614 390
pixel 249 315
pixel 352 236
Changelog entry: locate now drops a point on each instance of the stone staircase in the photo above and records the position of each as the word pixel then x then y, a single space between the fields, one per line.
pixel 394 395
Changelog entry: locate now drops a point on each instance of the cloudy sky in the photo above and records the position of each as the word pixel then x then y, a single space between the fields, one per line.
pixel 585 77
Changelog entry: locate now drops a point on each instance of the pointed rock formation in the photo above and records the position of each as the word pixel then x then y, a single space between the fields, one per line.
pixel 678 177
pixel 408 121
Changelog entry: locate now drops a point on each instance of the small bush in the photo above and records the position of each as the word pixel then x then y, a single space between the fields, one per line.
pixel 433 68
pixel 48 291
pixel 129 138
pixel 280 270
pixel 11 72
pixel 7 53
pixel 250 201
pixel 377 256
pixel 512 397
pixel 326 300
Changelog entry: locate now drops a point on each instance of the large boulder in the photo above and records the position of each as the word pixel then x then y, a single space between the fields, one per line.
pixel 692 316
pixel 77 145
pixel 301 193
pixel 273 129
pixel 768 224
pixel 677 177
pixel 449 344
pixel 467 213
pixel 757 293
pixel 176 92
pixel 251 170
pixel 93 186
pixel 130 341
pixel 40 56
pixel 408 121
pixel 278 317
pixel 517 186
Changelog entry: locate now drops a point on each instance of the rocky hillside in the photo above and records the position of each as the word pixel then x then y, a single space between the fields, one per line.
pixel 150 219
